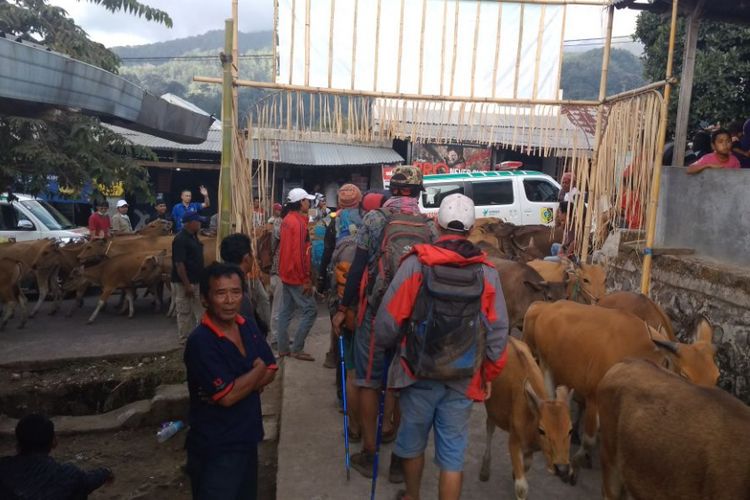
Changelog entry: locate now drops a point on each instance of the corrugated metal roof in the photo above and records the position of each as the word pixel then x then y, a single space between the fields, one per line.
pixel 321 154
pixel 303 153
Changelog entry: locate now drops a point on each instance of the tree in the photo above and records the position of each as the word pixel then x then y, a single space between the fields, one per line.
pixel 73 147
pixel 721 87
pixel 581 73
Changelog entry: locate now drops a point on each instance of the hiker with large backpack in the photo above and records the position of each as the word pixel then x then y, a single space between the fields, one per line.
pixel 445 313
pixel 385 236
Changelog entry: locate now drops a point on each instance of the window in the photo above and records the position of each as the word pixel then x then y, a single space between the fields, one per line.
pixel 435 194
pixel 47 214
pixel 10 217
pixel 540 190
pixel 493 193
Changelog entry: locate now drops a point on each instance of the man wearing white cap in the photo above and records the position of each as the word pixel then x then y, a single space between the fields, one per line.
pixel 294 272
pixel 120 221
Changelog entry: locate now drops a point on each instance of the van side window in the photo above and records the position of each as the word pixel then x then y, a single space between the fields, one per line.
pixel 493 193
pixel 8 221
pixel 540 190
pixel 433 194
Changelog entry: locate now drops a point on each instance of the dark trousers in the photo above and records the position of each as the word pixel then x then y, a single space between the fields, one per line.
pixel 224 476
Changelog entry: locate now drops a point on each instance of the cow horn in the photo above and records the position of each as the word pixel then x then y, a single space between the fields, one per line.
pixel 667 345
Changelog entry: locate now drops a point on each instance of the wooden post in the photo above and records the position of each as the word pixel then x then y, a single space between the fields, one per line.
pixel 227 131
pixel 653 202
pixel 686 85
pixel 594 169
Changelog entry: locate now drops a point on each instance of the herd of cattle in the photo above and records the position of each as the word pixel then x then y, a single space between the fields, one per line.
pixel 666 431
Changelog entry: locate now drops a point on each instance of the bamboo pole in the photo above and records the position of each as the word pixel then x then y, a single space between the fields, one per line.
pixel 307 42
pixel 595 163
pixel 330 44
pixel 455 45
pixel 442 46
pixel 274 43
pixel 400 47
pixel 291 50
pixel 401 95
pixel 518 52
pixel 354 42
pixel 497 48
pixel 562 44
pixel 537 59
pixel 653 203
pixel 377 47
pixel 227 130
pixel 421 46
pixel 235 60
pixel 640 90
pixel 474 50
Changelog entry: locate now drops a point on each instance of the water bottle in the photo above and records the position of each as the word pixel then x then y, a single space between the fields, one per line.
pixel 168 430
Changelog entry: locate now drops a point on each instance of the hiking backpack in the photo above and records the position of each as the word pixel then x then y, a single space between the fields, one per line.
pixel 401 232
pixel 445 335
pixel 345 249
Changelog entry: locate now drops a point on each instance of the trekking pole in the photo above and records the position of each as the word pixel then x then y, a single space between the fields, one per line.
pixel 346 412
pixel 379 434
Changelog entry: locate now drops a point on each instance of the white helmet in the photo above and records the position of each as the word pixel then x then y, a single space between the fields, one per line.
pixel 456 213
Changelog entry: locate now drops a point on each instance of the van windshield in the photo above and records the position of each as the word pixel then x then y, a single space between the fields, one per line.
pixel 47 214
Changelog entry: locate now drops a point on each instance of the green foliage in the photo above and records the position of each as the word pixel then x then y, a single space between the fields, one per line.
pixel 721 88
pixel 581 73
pixel 76 148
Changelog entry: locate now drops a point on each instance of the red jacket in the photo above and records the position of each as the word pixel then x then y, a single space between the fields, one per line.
pixel 294 250
pixel 99 224
pixel 399 301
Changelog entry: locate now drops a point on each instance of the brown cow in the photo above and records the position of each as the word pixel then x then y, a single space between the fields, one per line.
pixel 643 307
pixel 576 344
pixel 96 250
pixel 522 286
pixel 11 295
pixel 38 257
pixel 125 272
pixel 158 227
pixel 585 282
pixel 519 405
pixel 664 438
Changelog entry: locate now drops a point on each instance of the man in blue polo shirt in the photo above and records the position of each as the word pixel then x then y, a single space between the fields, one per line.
pixel 228 363
pixel 186 205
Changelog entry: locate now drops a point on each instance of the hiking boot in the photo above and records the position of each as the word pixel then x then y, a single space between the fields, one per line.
pixel 396 470
pixel 330 361
pixel 362 462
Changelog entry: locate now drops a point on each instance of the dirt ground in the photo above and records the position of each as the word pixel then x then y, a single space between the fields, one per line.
pixel 144 469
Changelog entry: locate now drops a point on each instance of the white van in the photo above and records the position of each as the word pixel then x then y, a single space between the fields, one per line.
pixel 523 197
pixel 28 218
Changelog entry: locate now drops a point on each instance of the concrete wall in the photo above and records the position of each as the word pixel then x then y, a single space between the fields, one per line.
pixel 708 212
pixel 688 287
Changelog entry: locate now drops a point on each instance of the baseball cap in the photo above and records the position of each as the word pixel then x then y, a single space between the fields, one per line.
pixel 456 213
pixel 298 194
pixel 122 203
pixel 406 176
pixel 192 216
pixel 160 201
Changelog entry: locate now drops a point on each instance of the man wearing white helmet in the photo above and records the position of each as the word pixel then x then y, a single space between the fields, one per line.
pixel 449 356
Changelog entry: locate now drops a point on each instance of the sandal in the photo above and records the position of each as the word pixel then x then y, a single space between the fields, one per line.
pixel 388 437
pixel 302 356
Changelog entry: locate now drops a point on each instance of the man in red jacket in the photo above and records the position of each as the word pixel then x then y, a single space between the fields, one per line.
pixel 445 312
pixel 294 272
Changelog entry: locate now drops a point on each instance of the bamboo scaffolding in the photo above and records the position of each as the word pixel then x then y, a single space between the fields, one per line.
pixel 455 45
pixel 496 59
pixel 442 46
pixel 421 46
pixel 377 47
pixel 354 43
pixel 274 44
pixel 518 52
pixel 291 48
pixel 307 43
pixel 539 43
pixel 474 50
pixel 330 43
pixel 400 46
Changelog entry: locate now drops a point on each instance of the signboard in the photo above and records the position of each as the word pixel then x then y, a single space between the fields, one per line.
pixel 445 159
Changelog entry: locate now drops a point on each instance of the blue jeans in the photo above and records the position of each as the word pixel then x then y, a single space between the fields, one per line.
pixel 293 298
pixel 427 404
pixel 225 476
pixel 553 251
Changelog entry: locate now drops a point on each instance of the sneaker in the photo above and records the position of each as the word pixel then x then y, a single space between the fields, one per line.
pixel 362 462
pixel 396 470
pixel 330 361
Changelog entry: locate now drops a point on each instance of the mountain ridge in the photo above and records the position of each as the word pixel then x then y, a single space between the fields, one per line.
pixel 210 40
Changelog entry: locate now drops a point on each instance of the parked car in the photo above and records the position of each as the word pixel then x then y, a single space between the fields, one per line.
pixel 23 217
pixel 523 197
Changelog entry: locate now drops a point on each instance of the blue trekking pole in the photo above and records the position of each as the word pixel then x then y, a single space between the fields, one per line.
pixel 346 412
pixel 379 434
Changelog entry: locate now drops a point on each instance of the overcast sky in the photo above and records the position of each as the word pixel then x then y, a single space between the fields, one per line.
pixel 193 17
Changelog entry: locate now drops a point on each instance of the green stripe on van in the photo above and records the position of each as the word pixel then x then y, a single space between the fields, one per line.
pixel 480 175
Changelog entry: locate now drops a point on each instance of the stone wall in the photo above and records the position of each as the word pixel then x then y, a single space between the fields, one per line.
pixel 688 287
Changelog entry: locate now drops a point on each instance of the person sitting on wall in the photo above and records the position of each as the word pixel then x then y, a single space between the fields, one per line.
pixel 722 157
pixel 32 473
pixel 160 207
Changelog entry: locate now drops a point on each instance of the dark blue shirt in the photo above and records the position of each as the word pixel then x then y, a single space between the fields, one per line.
pixel 179 210
pixel 213 363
